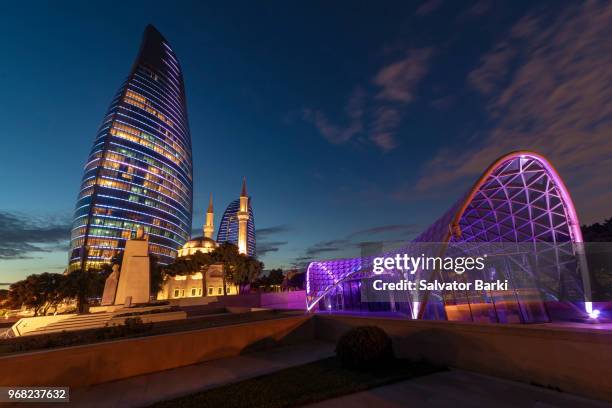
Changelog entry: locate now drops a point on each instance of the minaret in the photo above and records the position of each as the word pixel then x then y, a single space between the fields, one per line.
pixel 243 218
pixel 209 227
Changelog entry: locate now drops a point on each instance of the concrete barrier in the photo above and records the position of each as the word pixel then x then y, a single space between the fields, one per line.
pixel 268 300
pixel 284 300
pixel 113 360
pixel 150 318
pixel 573 360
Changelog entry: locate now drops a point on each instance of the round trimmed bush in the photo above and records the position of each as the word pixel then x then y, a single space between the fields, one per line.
pixel 364 347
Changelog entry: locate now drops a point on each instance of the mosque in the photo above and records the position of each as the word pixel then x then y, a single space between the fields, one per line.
pixel 238 227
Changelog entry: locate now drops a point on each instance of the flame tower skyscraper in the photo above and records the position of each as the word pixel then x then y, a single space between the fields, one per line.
pixel 139 171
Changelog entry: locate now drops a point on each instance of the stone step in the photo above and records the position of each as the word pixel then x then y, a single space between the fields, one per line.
pixel 77 322
pixel 80 322
pixel 73 324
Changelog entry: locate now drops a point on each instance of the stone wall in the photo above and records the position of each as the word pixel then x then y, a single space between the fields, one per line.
pixel 574 360
pixel 113 360
pixel 284 300
pixel 571 359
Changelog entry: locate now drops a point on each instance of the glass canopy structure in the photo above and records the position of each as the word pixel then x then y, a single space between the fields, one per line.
pixel 139 170
pixel 518 210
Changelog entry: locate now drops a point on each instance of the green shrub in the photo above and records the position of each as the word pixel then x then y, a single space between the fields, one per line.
pixel 364 348
pixel 132 326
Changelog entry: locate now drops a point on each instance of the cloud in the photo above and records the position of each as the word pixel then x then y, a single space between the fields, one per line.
pixel 264 248
pixel 392 234
pixel 392 87
pixel 397 83
pixel 477 9
pixel 335 133
pixel 21 236
pixel 444 102
pixel 400 79
pixel 264 232
pixel 493 69
pixel 402 229
pixel 327 246
pixel 386 120
pixel 428 7
pixel 548 87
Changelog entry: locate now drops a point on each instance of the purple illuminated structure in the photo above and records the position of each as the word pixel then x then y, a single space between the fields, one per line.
pixel 520 199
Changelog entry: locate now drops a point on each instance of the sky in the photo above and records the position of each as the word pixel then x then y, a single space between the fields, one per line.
pixel 352 121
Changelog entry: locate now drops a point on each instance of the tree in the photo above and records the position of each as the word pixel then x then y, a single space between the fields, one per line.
pixel 598 258
pixel 227 255
pixel 4 293
pixel 296 280
pixel 246 270
pixel 598 232
pixel 82 285
pixel 188 265
pixel 37 292
pixel 157 276
pixel 275 277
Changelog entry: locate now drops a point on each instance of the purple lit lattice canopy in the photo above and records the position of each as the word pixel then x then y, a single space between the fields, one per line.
pixel 520 198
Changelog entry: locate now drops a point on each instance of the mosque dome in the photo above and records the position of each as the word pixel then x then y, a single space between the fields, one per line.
pixel 202 244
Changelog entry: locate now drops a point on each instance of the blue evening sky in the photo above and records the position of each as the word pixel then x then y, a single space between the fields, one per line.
pixel 352 121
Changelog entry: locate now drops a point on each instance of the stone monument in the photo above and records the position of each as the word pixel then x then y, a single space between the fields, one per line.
pixel 110 287
pixel 134 278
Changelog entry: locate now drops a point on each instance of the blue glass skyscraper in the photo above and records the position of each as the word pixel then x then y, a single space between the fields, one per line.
pixel 139 171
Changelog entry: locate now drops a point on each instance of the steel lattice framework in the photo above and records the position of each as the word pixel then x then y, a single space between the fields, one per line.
pixel 519 199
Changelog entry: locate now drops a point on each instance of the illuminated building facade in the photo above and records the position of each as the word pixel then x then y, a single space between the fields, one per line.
pixel 204 243
pixel 238 224
pixel 139 170
pixel 520 208
pixel 238 218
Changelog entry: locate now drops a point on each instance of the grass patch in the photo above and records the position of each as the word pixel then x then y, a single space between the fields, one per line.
pixel 305 384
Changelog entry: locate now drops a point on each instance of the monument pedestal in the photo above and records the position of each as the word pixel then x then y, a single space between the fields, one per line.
pixel 131 285
pixel 134 278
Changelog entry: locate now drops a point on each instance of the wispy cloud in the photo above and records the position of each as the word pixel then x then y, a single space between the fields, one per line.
pixel 264 246
pixel 477 9
pixel 401 229
pixel 355 241
pixel 377 113
pixel 265 232
pixel 338 134
pixel 428 7
pixel 22 236
pixel 549 89
pixel 385 122
pixel 444 102
pixel 494 68
pixel 398 80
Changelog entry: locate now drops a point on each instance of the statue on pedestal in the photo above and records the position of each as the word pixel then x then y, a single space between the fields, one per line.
pixel 110 287
pixel 131 284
